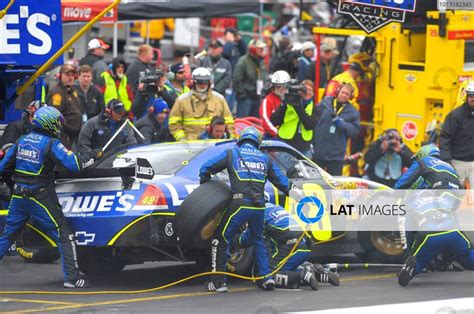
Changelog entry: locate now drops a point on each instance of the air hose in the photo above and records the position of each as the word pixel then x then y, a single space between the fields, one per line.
pixel 169 285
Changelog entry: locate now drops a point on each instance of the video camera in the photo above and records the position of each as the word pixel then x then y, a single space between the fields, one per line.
pixel 295 87
pixel 151 81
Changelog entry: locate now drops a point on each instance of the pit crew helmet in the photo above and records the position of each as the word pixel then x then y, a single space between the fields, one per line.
pixel 251 134
pixel 428 150
pixel 49 119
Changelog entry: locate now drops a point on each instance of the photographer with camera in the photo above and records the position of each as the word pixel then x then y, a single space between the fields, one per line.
pixel 386 158
pixel 296 117
pixel 153 83
pixel 100 129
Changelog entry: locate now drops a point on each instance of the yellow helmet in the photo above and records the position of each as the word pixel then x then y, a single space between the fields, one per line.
pixel 363 59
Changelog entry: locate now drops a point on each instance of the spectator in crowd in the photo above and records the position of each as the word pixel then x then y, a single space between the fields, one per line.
pixel 356 71
pixel 90 97
pixel 248 79
pixel 155 30
pixel 215 130
pixel 100 129
pixel 387 157
pixel 151 90
pixel 64 97
pixel 154 126
pixel 114 84
pixel 234 46
pixel 95 57
pixel 457 138
pixel 307 54
pixel 296 119
pixel 286 60
pixel 193 111
pixel 221 69
pixel 280 80
pixel 15 129
pixel 329 67
pixel 338 120
pixel 176 83
pixel 141 64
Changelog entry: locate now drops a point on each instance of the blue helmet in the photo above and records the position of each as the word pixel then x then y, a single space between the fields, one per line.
pixel 427 150
pixel 49 119
pixel 252 134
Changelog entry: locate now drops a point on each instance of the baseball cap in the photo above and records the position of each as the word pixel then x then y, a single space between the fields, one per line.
pixel 160 106
pixel 216 44
pixel 176 67
pixel 116 106
pixel 257 43
pixel 328 44
pixel 307 45
pixel 97 43
pixel 68 68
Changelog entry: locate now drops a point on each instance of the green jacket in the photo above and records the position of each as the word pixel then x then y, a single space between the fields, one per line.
pixel 246 73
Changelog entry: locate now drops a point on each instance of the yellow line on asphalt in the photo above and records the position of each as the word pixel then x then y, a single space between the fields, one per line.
pixel 113 302
pixel 172 296
pixel 357 278
pixel 37 301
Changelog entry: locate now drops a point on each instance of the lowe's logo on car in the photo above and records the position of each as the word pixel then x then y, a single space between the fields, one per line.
pixel 31 32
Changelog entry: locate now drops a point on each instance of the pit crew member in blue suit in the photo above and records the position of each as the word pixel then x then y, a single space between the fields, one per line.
pixel 248 168
pixel 31 161
pixel 430 172
pixel 281 238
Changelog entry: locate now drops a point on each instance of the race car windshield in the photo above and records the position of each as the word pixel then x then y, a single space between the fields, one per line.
pixel 166 159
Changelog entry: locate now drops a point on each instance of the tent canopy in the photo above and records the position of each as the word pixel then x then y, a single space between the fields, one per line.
pixel 181 9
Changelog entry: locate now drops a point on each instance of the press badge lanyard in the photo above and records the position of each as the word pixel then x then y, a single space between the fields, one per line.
pixel 332 128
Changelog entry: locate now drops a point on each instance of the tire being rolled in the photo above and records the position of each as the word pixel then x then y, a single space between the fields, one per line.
pixel 198 215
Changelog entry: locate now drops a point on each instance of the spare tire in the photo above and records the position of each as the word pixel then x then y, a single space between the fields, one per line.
pixel 198 215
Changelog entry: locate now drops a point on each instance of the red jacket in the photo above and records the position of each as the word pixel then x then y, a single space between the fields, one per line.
pixel 269 104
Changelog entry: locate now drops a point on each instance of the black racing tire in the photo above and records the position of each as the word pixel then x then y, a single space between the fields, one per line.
pixel 241 260
pixel 198 215
pixel 38 255
pixel 381 247
pixel 94 261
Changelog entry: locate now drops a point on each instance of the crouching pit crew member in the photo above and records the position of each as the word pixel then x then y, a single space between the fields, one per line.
pixel 248 169
pixel 31 162
pixel 428 171
pixel 280 238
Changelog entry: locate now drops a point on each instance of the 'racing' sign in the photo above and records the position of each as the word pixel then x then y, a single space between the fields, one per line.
pixel 31 32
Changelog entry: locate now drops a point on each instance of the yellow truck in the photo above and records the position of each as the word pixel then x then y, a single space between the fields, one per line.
pixel 420 70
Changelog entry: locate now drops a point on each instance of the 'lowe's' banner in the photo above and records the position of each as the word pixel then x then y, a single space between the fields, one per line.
pixel 30 32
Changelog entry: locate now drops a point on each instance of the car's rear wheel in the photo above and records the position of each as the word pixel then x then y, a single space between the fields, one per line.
pixel 94 261
pixel 381 246
pixel 199 214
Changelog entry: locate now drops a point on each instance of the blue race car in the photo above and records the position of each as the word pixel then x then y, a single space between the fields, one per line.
pixel 145 203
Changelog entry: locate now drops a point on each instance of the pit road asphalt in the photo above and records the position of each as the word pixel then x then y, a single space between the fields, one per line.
pixel 363 287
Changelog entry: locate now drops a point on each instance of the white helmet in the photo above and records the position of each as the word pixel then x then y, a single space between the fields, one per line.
pixel 470 89
pixel 201 74
pixel 280 77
